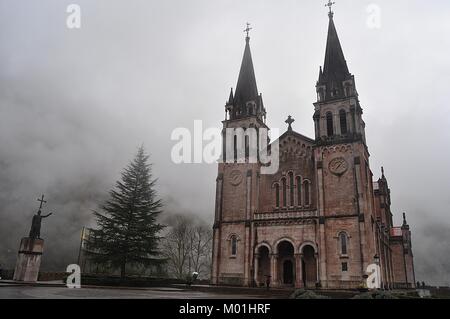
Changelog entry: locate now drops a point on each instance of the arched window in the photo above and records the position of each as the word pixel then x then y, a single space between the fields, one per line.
pixel 284 192
pixel 320 95
pixel 306 191
pixel 277 195
pixel 233 245
pixel 291 189
pixel 335 92
pixel 348 91
pixel 343 243
pixel 330 130
pixel 299 191
pixel 343 120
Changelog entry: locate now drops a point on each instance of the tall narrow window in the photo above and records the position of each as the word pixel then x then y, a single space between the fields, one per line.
pixel 330 130
pixel 343 240
pixel 320 95
pixel 299 191
pixel 284 192
pixel 348 91
pixel 247 149
pixel 224 147
pixel 291 189
pixel 277 195
pixel 233 245
pixel 343 120
pixel 235 148
pixel 306 191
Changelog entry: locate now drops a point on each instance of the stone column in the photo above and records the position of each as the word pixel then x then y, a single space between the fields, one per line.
pixel 215 273
pixel 316 255
pixel 215 259
pixel 274 270
pixel 256 269
pixel 299 271
pixel 218 208
pixel 335 123
pixel 361 211
pixel 322 235
pixel 247 246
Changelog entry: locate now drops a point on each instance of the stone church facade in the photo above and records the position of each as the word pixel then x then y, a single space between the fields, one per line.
pixel 322 219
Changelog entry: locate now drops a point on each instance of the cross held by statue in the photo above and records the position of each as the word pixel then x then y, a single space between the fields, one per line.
pixel 42 201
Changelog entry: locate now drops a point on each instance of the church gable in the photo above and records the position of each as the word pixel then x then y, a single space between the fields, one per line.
pixel 294 146
pixel 292 187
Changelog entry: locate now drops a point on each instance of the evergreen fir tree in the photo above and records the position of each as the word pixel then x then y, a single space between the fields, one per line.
pixel 127 232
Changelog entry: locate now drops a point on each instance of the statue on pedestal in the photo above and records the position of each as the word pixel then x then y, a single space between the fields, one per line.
pixel 31 249
pixel 35 231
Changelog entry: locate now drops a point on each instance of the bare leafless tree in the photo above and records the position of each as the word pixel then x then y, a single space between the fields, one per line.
pixel 200 249
pixel 187 247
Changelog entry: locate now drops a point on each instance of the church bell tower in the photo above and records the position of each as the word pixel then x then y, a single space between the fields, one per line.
pixel 238 179
pixel 342 162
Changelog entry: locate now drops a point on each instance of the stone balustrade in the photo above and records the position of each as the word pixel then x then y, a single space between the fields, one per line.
pixel 285 215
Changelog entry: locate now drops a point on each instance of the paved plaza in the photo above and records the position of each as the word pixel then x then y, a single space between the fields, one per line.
pixel 50 292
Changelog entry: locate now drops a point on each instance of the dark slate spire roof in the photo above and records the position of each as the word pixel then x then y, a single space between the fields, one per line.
pixel 335 69
pixel 230 98
pixel 335 63
pixel 246 89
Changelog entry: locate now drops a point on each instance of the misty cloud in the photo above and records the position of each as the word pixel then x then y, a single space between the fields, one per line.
pixel 76 104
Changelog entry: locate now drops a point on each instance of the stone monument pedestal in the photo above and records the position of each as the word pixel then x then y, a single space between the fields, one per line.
pixel 29 259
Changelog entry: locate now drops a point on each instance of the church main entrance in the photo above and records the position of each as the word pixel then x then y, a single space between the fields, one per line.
pixel 288 272
pixel 286 262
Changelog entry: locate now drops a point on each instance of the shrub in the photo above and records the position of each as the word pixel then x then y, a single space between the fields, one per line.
pixel 378 294
pixel 306 294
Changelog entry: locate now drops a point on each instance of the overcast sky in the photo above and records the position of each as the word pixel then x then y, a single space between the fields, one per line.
pixel 76 103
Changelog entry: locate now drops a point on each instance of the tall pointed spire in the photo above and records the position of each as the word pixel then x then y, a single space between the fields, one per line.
pixel 335 70
pixel 335 64
pixel 231 98
pixel 246 89
pixel 246 100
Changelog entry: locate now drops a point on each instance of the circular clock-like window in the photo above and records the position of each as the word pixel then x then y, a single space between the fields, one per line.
pixel 338 166
pixel 235 178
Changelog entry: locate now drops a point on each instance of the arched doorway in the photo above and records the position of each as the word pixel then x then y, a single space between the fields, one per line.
pixel 309 266
pixel 286 263
pixel 263 265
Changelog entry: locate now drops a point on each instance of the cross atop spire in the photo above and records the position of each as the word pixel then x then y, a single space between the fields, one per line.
pixel 247 30
pixel 42 201
pixel 330 5
pixel 246 89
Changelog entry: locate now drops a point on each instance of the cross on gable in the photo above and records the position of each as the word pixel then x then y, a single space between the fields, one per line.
pixel 289 121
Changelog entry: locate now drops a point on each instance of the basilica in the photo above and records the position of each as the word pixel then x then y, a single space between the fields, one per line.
pixel 323 218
